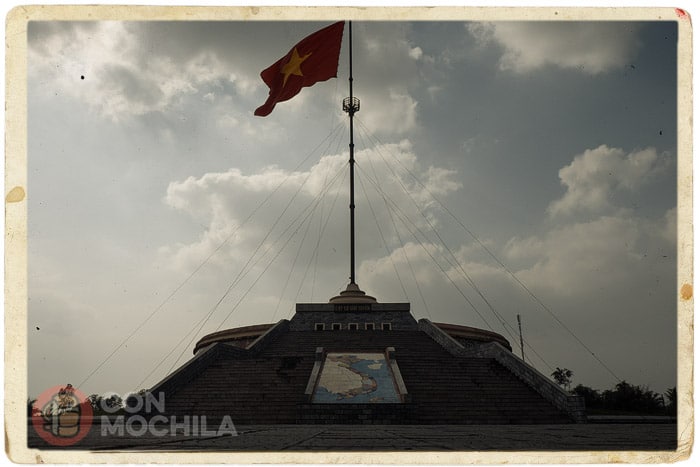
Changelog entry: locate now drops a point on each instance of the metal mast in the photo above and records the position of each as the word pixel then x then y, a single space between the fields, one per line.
pixel 351 105
pixel 352 294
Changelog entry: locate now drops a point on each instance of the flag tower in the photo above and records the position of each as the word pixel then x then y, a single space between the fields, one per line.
pixel 354 360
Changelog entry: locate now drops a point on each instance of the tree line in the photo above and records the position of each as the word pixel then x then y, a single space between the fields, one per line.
pixel 623 399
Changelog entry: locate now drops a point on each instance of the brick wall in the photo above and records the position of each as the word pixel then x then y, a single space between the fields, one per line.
pixel 268 386
pixel 398 314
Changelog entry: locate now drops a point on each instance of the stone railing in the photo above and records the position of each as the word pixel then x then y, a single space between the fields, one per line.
pixel 571 404
pixel 400 385
pixel 315 373
pixel 270 335
pixel 193 367
pixel 447 342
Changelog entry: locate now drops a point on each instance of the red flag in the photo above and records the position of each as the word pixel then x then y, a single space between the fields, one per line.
pixel 313 59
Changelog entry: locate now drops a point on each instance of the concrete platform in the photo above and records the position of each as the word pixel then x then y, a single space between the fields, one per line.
pixel 289 438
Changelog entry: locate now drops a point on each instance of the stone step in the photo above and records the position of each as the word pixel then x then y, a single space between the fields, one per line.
pixel 269 387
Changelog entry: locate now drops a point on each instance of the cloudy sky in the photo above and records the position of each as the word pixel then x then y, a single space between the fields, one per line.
pixel 489 156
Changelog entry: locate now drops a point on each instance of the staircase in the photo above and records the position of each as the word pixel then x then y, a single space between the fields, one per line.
pixel 268 386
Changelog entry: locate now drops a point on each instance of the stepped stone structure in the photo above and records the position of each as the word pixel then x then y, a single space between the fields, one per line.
pixel 354 360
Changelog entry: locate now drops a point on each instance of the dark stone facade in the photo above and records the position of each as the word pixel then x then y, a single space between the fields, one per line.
pixel 446 381
pixel 397 315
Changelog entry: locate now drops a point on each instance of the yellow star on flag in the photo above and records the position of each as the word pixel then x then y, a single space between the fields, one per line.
pixel 293 66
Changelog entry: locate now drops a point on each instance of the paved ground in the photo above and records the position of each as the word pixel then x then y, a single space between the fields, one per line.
pixel 574 437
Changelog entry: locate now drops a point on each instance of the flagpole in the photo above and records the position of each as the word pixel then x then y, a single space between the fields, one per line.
pixel 351 105
pixel 352 294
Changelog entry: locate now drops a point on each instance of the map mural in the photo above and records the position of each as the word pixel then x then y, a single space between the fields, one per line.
pixel 355 378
